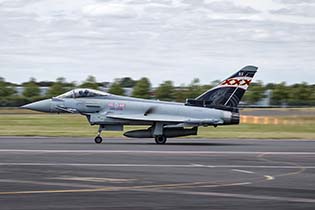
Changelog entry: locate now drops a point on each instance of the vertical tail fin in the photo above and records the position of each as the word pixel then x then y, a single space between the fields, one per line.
pixel 230 91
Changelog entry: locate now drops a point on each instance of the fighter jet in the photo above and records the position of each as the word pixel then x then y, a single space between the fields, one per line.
pixel 216 107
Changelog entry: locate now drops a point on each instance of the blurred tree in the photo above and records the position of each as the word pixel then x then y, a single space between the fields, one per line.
pixel 165 91
pixel 280 94
pixel 57 88
pixel 312 87
pixel 45 83
pixel 215 83
pixel 181 93
pixel 270 86
pixel 90 82
pixel 142 88
pixel 300 94
pixel 255 92
pixel 194 89
pixel 6 89
pixel 31 89
pixel 116 89
pixel 127 82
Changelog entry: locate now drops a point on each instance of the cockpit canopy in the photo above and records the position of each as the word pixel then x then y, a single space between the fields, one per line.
pixel 82 93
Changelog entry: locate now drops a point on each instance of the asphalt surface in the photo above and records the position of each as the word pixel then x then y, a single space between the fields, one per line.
pixel 75 173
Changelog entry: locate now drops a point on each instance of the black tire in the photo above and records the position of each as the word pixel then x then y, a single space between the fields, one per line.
pixel 98 139
pixel 160 139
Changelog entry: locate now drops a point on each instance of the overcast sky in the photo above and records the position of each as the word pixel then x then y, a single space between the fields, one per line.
pixel 161 39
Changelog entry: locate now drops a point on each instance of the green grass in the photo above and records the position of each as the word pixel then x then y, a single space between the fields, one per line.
pixel 76 125
pixel 15 110
pixel 252 131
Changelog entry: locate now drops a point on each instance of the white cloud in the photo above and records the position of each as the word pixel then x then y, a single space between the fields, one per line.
pixel 297 10
pixel 182 39
pixel 110 9
pixel 295 1
pixel 229 7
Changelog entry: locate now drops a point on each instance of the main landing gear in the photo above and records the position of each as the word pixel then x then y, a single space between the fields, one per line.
pixel 98 139
pixel 160 139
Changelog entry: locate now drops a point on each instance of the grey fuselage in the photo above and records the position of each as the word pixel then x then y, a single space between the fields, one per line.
pixel 97 109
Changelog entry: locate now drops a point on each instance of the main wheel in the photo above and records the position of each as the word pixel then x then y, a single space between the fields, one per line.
pixel 160 139
pixel 98 139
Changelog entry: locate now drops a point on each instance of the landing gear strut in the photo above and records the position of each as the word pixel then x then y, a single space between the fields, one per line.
pixel 98 139
pixel 160 139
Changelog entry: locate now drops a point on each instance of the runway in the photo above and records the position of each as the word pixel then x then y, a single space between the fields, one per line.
pixel 74 173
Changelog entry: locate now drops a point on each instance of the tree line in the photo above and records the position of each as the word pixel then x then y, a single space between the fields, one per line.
pixel 281 94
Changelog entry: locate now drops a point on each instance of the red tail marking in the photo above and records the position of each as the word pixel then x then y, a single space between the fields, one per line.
pixel 237 82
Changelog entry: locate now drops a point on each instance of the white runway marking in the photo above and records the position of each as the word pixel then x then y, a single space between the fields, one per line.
pixel 157 165
pixel 47 183
pixel 152 152
pixel 94 179
pixel 95 165
pixel 232 195
pixel 243 171
pixel 226 185
pixel 269 178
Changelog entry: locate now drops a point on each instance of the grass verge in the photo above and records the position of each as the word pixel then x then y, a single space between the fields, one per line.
pixel 77 126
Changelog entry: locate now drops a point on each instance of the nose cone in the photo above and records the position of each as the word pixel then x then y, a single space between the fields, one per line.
pixel 41 106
